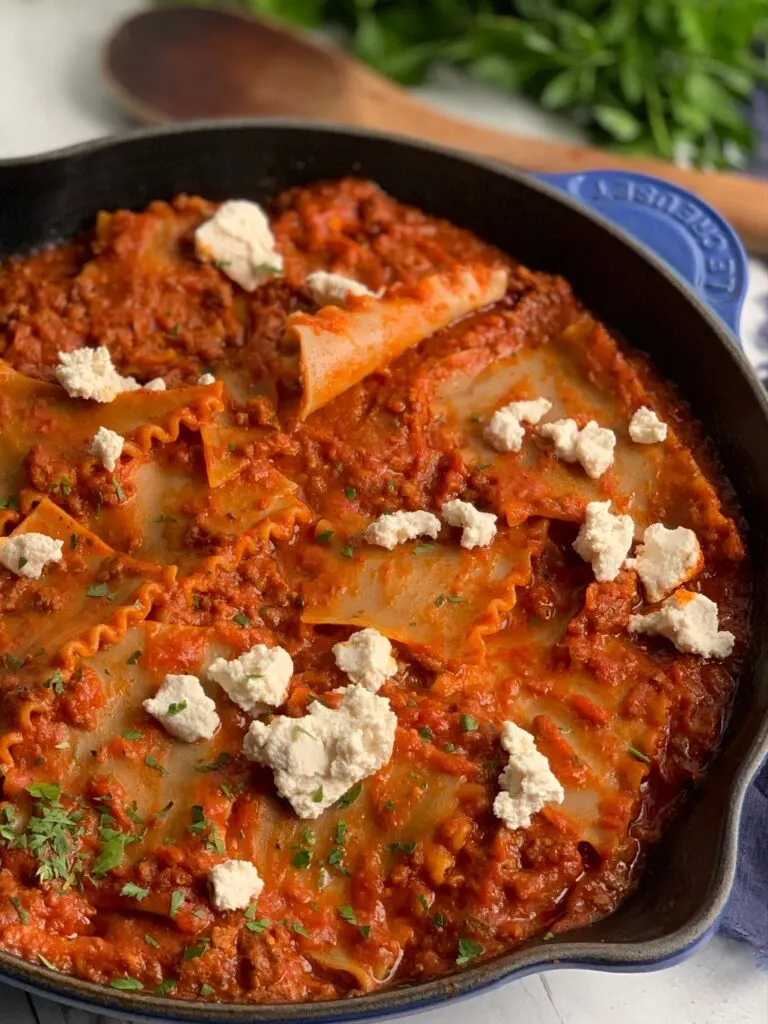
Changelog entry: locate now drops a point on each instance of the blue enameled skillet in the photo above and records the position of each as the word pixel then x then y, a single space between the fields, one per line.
pixel 671 277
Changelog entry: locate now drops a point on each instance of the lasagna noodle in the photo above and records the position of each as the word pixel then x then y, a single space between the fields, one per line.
pixel 439 598
pixel 35 413
pixel 57 613
pixel 339 347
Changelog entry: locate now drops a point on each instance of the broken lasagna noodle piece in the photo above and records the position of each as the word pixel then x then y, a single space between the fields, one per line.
pixel 313 681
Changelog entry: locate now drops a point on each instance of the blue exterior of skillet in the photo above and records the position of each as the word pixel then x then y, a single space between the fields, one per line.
pixel 601 231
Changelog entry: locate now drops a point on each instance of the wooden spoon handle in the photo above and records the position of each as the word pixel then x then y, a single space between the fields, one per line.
pixel 741 200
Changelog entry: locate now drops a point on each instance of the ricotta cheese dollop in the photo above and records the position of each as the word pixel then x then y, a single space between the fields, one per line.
pixel 666 559
pixel 366 658
pixel 527 783
pixel 478 528
pixel 604 540
pixel 206 378
pixel 318 757
pixel 27 554
pixel 89 373
pixel 691 621
pixel 334 289
pixel 645 427
pixel 592 446
pixel 107 445
pixel 184 709
pixel 258 677
pixel 390 530
pixel 239 241
pixel 156 384
pixel 505 430
pixel 234 884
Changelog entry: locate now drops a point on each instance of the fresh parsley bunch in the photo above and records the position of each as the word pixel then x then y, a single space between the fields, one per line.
pixel 669 77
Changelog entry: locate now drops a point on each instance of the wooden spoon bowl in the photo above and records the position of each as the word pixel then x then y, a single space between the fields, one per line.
pixel 180 63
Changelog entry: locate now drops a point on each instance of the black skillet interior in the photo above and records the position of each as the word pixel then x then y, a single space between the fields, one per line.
pixel 687 878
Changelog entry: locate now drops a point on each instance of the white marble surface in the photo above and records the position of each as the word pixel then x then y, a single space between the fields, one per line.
pixel 50 96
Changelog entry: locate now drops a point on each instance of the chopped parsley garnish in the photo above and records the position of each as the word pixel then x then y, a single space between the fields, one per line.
pixel 98 590
pixel 23 915
pixel 547 936
pixel 402 847
pixel 350 493
pixel 174 331
pixel 241 620
pixel 468 950
pixel 301 859
pixel 317 796
pixel 131 734
pixel 50 791
pixel 207 990
pixel 348 913
pixel 133 658
pixel 639 755
pixel 133 891
pixel 99 503
pixel 152 762
pixel 421 549
pixel 231 447
pixel 259 925
pixel 151 940
pixel 126 984
pixel 164 518
pixel 12 664
pixel 111 853
pixel 8 503
pixel 426 733
pixel 450 748
pixel 176 708
pixel 221 761
pixel 390 485
pixel 350 796
pixel 194 951
pixel 439 920
pixel 47 963
pixel 73 541
pixel 165 987
pixel 300 929
pixel 118 490
pixel 341 833
pixel 177 901
pixel 324 537
pixel 389 805
pixel 467 723
pixel 196 602
pixel 423 902
pixel 347 551
pixel 55 682
pixel 22 562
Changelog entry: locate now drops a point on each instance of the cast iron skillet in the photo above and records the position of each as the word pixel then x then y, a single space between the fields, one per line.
pixel 687 878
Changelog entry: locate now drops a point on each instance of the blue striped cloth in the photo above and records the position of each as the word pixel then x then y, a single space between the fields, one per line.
pixel 746 916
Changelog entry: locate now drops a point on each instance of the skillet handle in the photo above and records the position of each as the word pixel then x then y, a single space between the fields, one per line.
pixel 674 224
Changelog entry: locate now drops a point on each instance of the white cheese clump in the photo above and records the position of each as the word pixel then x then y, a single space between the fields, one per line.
pixel 334 289
pixel 604 540
pixel 666 559
pixel 206 378
pixel 184 709
pixel 390 530
pixel 239 241
pixel 107 445
pixel 318 757
pixel 505 431
pixel 527 783
pixel 645 427
pixel 366 658
pixel 89 373
pixel 27 554
pixel 234 884
pixel 592 446
pixel 691 621
pixel 260 676
pixel 157 384
pixel 478 528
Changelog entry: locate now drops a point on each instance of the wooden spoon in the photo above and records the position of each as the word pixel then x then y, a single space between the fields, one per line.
pixel 178 63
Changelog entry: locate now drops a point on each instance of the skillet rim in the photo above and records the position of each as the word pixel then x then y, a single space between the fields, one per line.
pixel 626 956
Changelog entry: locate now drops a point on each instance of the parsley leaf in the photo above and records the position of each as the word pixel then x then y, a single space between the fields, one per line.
pixel 467 723
pixel 131 890
pixel 177 901
pixel 324 537
pixel 350 796
pixel 126 984
pixel 468 950
pixel 348 913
